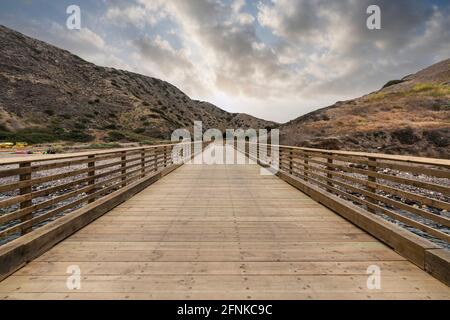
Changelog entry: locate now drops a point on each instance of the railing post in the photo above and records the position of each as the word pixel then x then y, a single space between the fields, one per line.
pixel 181 157
pixel 280 159
pixel 123 158
pixel 169 156
pixel 23 191
pixel 165 156
pixel 91 173
pixel 143 163
pixel 372 167
pixel 329 169
pixel 306 166
pixel 290 162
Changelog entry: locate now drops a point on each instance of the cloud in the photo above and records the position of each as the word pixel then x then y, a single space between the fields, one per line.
pixel 341 57
pixel 318 48
pixel 275 59
pixel 140 14
pixel 86 44
pixel 159 52
pixel 293 19
pixel 230 48
pixel 155 56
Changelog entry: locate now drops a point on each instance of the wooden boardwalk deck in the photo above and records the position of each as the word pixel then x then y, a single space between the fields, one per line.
pixel 221 232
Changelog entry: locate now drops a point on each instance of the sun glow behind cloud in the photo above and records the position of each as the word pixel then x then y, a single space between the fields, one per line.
pixel 272 59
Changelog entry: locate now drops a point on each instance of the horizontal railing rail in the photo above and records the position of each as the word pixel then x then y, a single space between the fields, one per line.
pixel 35 190
pixel 412 192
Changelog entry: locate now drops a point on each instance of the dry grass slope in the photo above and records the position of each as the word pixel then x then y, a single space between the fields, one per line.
pixel 407 116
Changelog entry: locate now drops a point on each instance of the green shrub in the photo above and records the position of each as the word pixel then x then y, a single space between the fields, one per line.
pixel 110 126
pixel 57 130
pixel 44 135
pixel 31 135
pixel 115 136
pixel 392 82
pixel 104 145
pixel 79 125
pixel 77 136
pixel 49 112
pixel 435 90
pixel 376 96
pixel 65 116
pixel 421 87
pixel 139 130
pixel 156 111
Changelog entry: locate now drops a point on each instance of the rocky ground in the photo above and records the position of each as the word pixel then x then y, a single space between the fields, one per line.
pixel 411 189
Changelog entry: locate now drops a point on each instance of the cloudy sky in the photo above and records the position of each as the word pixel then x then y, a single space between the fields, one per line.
pixel 275 59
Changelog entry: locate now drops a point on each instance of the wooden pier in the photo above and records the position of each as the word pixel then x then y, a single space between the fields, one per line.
pixel 222 231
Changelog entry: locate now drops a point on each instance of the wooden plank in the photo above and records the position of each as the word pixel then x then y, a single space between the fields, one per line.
pixel 406 159
pixel 231 283
pixel 342 268
pixel 437 263
pixel 407 244
pixel 38 158
pixel 16 253
pixel 221 232
pixel 218 294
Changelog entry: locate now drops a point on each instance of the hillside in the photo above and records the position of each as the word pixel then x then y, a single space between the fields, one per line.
pixel 50 94
pixel 407 116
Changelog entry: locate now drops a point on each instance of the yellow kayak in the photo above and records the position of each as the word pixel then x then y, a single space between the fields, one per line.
pixel 6 144
pixel 21 144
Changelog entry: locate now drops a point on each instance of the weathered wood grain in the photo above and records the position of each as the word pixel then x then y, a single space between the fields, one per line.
pixel 221 232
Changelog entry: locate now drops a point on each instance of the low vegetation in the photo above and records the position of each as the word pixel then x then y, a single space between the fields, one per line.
pixel 44 135
pixel 432 89
pixel 103 146
pixel 125 136
pixel 376 96
pixel 392 82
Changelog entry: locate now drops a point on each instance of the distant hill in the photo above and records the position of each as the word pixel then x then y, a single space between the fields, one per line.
pixel 50 94
pixel 407 116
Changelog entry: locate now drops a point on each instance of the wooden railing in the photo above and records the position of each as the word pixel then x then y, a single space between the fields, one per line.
pixel 35 190
pixel 412 192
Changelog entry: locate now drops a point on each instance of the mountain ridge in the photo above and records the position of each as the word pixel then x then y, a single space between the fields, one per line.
pixel 407 116
pixel 51 93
